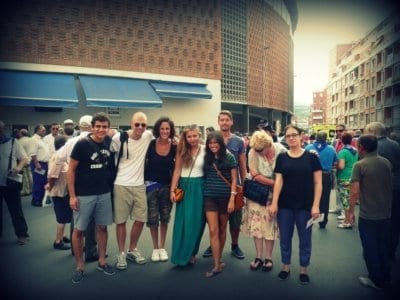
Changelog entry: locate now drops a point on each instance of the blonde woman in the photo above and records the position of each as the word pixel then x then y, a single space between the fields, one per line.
pixel 256 222
pixel 189 214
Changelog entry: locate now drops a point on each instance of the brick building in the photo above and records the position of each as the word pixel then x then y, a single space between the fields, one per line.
pixel 185 59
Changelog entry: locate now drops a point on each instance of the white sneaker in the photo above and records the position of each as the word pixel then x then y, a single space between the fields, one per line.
pixel 163 254
pixel 341 217
pixel 136 256
pixel 155 256
pixel 121 261
pixel 368 282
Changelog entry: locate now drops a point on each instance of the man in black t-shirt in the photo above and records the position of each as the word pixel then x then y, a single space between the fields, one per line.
pixel 90 192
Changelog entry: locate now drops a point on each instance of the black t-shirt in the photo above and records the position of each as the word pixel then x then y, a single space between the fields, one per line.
pixel 92 174
pixel 159 168
pixel 298 182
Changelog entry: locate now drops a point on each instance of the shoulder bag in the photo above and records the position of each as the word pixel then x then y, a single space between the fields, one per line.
pixel 239 200
pixel 256 191
pixel 179 192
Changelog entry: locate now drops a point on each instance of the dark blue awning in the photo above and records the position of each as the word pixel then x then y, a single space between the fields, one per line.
pixel 20 88
pixel 118 92
pixel 180 90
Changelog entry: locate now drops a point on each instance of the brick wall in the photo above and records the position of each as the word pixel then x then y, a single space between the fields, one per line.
pixel 156 36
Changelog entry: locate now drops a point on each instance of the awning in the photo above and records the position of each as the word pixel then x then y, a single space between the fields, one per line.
pixel 118 92
pixel 181 90
pixel 20 88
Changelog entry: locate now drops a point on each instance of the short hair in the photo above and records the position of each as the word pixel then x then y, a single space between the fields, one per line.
pixel 346 138
pixel 59 141
pixel 341 125
pixel 260 140
pixel 375 128
pixel 321 136
pixel 157 125
pixel 68 131
pixel 369 142
pixel 37 127
pixel 100 117
pixel 227 113
pixel 210 129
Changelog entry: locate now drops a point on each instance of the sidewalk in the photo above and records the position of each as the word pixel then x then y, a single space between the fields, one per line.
pixel 36 270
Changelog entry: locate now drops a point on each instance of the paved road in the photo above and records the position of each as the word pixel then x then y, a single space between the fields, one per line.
pixel 36 271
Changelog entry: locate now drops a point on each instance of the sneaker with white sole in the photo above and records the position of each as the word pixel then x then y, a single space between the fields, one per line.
pixel 163 254
pixel 345 226
pixel 121 261
pixel 155 256
pixel 368 282
pixel 341 217
pixel 136 256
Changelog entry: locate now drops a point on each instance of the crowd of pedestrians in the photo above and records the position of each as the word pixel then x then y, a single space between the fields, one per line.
pixel 97 176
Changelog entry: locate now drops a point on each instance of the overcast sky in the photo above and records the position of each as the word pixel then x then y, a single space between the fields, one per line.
pixel 322 25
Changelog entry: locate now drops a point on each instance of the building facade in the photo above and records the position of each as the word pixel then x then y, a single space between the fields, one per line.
pixel 318 108
pixel 365 84
pixel 185 59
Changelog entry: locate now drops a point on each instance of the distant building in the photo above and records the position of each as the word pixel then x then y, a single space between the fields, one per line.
pixel 365 84
pixel 318 108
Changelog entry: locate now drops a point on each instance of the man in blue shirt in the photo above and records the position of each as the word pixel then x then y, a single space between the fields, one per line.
pixel 328 159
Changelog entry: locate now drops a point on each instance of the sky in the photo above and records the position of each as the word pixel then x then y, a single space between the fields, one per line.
pixel 322 25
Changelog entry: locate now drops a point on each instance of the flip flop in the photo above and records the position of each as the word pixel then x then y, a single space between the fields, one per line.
pixel 256 264
pixel 266 268
pixel 212 273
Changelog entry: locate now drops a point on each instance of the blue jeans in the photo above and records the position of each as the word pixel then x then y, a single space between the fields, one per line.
pixel 375 239
pixel 286 220
pixel 39 181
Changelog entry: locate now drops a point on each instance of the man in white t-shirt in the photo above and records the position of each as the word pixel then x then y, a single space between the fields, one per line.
pixel 49 139
pixel 130 198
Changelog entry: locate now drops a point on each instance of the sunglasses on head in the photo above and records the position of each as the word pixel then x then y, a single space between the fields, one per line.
pixel 140 124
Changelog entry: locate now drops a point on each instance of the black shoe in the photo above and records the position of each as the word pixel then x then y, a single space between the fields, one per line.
pixel 208 252
pixel 66 240
pixel 283 275
pixel 304 279
pixel 36 204
pixel 238 253
pixel 92 258
pixel 61 246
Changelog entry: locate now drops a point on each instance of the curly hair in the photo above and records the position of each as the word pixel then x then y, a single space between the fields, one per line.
pixel 157 125
pixel 260 140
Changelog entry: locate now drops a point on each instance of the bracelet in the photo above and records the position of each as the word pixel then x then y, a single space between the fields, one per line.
pixel 234 193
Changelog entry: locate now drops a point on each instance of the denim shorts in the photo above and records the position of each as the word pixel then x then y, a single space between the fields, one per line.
pixel 94 206
pixel 62 210
pixel 159 206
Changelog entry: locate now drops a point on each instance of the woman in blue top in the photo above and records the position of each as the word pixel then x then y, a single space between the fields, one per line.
pixel 218 196
pixel 297 193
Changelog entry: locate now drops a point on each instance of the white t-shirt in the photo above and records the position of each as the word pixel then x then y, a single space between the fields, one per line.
pixel 131 167
pixel 18 153
pixel 39 148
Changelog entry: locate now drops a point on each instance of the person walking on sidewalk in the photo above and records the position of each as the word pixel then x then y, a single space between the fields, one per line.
pixel 371 184
pixel 130 198
pixel 90 192
pixel 328 159
pixel 12 160
pixel 235 145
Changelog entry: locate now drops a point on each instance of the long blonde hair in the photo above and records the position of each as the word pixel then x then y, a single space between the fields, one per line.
pixel 184 149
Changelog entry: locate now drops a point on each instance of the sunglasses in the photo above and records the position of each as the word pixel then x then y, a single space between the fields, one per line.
pixel 140 124
pixel 55 128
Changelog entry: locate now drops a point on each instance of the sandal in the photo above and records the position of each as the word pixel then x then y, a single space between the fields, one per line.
pixel 256 264
pixel 267 265
pixel 212 273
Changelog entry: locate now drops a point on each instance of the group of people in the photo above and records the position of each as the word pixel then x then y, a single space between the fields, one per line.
pixel 104 175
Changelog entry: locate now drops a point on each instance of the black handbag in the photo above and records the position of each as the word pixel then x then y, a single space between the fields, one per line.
pixel 12 184
pixel 256 191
